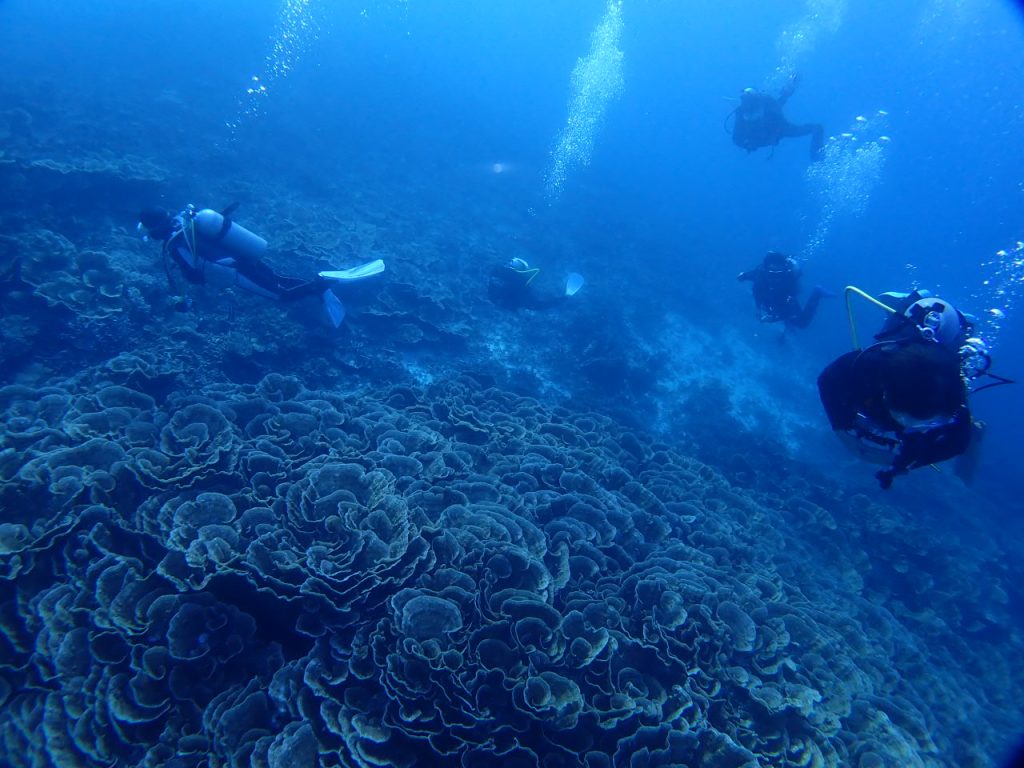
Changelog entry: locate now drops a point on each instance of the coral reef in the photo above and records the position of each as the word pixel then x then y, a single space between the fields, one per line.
pixel 393 555
pixel 270 575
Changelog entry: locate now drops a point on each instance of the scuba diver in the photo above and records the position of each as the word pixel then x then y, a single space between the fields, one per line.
pixel 211 249
pixel 902 401
pixel 758 121
pixel 511 286
pixel 776 288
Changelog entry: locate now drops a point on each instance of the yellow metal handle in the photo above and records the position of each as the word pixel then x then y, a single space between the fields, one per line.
pixel 850 291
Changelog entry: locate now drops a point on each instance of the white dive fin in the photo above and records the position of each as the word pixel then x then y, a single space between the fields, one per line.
pixel 335 309
pixel 369 269
pixel 573 283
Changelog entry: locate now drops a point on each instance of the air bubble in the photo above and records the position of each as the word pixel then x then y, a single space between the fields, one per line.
pixel 846 175
pixel 296 31
pixel 797 41
pixel 596 80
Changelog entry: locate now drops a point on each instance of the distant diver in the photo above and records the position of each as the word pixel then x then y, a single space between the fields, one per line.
pixel 776 291
pixel 512 285
pixel 209 248
pixel 902 401
pixel 759 122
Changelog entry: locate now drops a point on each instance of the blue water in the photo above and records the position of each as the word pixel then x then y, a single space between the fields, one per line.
pixel 425 134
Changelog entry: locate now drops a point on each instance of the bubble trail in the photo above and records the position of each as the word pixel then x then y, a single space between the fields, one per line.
pixel 296 31
pixel 596 81
pixel 847 174
pixel 1001 289
pixel 798 40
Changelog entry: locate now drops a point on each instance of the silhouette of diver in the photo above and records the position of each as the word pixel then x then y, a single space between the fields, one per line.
pixel 759 122
pixel 511 286
pixel 776 288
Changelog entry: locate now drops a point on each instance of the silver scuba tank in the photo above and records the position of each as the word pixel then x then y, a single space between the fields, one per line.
pixel 231 237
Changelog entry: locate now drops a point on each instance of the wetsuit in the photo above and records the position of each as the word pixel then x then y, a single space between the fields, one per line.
pixel 759 122
pixel 775 294
pixel 853 393
pixel 204 262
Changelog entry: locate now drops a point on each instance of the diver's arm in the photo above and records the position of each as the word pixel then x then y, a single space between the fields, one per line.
pixel 788 89
pixel 180 255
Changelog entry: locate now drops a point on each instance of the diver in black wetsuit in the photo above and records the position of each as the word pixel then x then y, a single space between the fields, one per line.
pixel 776 291
pixel 759 122
pixel 512 286
pixel 902 401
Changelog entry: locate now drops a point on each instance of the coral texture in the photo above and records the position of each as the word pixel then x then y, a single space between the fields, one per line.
pixel 270 575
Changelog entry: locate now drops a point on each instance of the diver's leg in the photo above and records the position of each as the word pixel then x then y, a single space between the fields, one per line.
pixel 966 463
pixel 817 142
pixel 814 130
pixel 246 284
pixel 803 318
pixel 790 131
pixel 254 275
pixel 259 278
pixel 293 288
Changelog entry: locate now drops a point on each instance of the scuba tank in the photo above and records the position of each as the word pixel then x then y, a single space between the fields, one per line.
pixel 922 314
pixel 229 236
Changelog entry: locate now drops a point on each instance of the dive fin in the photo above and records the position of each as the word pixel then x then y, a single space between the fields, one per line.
pixel 966 464
pixel 226 213
pixel 573 283
pixel 335 309
pixel 361 272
